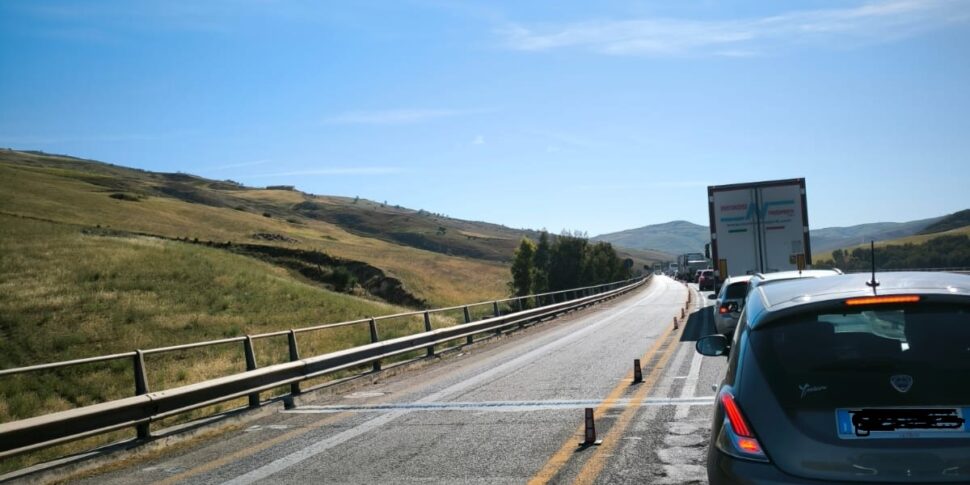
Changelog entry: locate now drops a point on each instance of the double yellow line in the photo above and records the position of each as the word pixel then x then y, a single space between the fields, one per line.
pixel 594 465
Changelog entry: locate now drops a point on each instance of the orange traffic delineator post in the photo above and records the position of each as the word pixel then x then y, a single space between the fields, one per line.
pixel 637 372
pixel 590 435
pixel 675 323
pixel 681 313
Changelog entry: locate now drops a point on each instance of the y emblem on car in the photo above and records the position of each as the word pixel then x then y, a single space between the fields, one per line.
pixel 807 388
pixel 901 382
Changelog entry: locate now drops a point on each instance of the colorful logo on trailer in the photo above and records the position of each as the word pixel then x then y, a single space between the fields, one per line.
pixel 778 208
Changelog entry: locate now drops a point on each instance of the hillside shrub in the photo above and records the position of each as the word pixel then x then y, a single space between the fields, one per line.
pixel 124 196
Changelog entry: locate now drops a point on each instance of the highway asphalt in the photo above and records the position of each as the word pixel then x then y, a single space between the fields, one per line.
pixel 510 411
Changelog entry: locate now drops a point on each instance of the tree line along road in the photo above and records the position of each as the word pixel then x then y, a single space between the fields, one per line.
pixel 508 411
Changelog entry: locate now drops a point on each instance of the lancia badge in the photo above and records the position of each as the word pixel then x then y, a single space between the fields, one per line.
pixel 901 382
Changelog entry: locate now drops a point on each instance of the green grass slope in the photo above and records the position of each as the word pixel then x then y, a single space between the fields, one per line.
pixel 68 292
pixel 94 194
pixel 915 240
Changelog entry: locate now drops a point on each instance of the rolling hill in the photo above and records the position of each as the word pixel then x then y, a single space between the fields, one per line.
pixel 956 220
pixel 350 247
pixel 831 238
pixel 670 238
pixel 678 237
pixel 99 258
pixel 949 226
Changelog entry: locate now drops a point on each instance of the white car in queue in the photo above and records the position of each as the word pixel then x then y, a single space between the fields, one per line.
pixel 730 300
pixel 728 303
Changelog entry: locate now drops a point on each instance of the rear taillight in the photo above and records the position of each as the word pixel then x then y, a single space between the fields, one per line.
pixel 737 438
pixel 728 308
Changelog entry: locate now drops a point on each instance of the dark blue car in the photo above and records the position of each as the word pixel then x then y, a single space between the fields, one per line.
pixel 837 380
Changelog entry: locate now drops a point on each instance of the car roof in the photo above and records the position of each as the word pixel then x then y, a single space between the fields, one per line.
pixel 783 297
pixel 737 279
pixel 787 275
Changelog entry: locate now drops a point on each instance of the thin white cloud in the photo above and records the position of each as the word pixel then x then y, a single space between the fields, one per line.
pixel 875 22
pixel 566 139
pixel 240 165
pixel 333 171
pixel 396 116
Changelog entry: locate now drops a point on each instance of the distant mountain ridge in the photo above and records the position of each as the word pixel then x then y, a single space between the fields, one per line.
pixel 953 221
pixel 831 238
pixel 678 237
pixel 674 237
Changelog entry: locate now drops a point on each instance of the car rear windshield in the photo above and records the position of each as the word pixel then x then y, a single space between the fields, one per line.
pixel 736 291
pixel 850 358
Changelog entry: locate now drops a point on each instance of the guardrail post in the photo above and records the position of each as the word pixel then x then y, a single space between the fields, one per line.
pixel 294 356
pixel 141 388
pixel 427 328
pixel 497 313
pixel 468 319
pixel 251 365
pixel 521 305
pixel 374 338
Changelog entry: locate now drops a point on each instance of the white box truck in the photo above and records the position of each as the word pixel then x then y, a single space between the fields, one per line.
pixel 759 227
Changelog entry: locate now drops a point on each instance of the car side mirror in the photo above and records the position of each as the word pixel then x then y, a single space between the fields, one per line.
pixel 712 296
pixel 713 345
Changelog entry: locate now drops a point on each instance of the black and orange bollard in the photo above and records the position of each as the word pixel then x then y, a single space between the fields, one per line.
pixel 637 373
pixel 590 436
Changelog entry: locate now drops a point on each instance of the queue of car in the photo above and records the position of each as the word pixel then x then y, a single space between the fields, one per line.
pixel 836 378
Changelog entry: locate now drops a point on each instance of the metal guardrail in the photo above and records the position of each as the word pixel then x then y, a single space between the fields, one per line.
pixel 144 407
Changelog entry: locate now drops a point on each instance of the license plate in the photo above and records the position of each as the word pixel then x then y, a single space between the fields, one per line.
pixel 883 423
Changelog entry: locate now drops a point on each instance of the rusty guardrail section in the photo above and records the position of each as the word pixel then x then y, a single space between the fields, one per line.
pixel 145 407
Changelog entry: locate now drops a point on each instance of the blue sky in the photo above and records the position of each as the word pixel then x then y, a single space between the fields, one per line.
pixel 594 116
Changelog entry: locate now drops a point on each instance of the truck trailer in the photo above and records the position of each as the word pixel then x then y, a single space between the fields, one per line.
pixel 759 227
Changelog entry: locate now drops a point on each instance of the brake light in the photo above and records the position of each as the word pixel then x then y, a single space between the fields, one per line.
pixel 727 308
pixel 733 413
pixel 736 437
pixel 882 300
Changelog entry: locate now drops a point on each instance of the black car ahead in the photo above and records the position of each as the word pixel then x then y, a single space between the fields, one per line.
pixel 834 380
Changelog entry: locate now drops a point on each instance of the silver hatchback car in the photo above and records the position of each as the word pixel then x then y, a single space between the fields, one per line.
pixel 728 303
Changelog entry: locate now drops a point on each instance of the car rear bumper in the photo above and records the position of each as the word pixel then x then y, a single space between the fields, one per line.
pixel 724 325
pixel 725 470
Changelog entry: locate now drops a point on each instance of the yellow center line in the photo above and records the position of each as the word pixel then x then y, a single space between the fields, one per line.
pixel 559 459
pixel 592 468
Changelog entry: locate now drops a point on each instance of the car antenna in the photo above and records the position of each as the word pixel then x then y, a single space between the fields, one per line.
pixel 872 258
